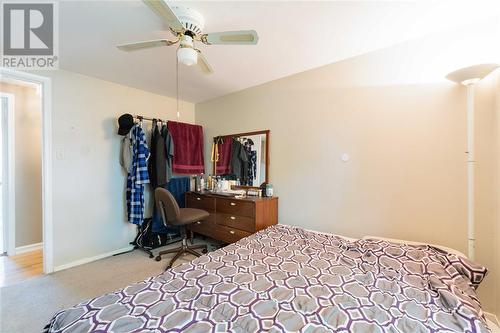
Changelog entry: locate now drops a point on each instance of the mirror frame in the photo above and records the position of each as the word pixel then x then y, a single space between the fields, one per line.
pixel 266 132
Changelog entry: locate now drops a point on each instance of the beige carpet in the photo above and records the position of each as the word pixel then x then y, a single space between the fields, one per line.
pixel 28 306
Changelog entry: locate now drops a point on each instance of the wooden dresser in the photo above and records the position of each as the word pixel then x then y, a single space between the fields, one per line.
pixel 232 219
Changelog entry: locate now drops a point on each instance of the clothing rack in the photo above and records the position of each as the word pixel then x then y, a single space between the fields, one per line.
pixel 137 243
pixel 141 118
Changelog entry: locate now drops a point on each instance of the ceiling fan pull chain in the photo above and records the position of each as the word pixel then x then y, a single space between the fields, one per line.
pixel 177 86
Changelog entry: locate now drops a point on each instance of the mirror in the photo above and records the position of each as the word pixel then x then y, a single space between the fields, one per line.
pixel 243 157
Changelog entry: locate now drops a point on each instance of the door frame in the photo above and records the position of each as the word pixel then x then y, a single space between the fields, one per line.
pixel 47 203
pixel 8 176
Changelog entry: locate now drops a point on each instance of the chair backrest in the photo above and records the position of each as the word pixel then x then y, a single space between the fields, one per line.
pixel 165 202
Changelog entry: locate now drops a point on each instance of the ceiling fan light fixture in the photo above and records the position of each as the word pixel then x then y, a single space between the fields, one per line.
pixel 187 56
pixel 187 26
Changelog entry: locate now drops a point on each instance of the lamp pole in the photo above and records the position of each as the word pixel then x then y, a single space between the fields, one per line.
pixel 471 238
pixel 469 76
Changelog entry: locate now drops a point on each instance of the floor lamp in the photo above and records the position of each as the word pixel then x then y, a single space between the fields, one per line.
pixel 469 76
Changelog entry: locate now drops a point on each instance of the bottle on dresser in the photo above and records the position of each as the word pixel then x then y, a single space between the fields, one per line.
pixel 269 190
pixel 202 182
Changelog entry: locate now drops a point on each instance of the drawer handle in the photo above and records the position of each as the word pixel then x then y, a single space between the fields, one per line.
pixel 233 218
pixel 199 222
pixel 233 204
pixel 231 232
pixel 198 198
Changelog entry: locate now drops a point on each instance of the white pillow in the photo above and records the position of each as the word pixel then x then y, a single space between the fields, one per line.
pixel 401 241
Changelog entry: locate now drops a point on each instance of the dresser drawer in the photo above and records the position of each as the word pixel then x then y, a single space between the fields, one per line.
pixel 194 200
pixel 235 207
pixel 236 221
pixel 232 219
pixel 229 235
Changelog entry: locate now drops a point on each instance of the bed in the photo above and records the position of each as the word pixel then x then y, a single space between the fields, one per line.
pixel 287 279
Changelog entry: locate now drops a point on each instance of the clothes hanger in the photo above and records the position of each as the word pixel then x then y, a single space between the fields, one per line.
pixel 140 121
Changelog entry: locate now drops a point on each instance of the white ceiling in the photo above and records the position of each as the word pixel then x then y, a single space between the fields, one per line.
pixel 294 36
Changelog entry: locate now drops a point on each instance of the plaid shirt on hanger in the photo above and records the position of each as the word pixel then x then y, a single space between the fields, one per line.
pixel 137 177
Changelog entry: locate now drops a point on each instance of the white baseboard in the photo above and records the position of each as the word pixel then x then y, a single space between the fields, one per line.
pixel 28 248
pixel 87 260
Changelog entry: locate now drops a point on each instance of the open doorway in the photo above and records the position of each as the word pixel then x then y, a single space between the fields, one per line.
pixel 22 207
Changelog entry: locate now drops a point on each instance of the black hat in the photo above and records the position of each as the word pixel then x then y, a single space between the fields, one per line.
pixel 125 123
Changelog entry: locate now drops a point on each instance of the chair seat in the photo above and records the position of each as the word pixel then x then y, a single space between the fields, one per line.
pixel 191 215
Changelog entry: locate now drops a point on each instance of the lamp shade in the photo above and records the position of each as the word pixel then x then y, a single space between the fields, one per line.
pixel 471 74
pixel 187 56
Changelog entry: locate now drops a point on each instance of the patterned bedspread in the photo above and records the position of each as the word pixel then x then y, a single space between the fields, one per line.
pixel 288 279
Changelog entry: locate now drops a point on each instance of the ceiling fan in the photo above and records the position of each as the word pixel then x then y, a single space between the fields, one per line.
pixel 187 26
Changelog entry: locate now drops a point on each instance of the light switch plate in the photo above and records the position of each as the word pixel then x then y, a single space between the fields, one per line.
pixel 60 154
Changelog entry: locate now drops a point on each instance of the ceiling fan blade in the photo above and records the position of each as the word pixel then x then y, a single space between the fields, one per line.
pixel 242 37
pixel 203 63
pixel 144 45
pixel 162 9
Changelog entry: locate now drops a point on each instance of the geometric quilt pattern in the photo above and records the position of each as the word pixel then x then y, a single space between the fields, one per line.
pixel 287 279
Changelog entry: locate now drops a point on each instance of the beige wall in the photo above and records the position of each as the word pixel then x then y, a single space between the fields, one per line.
pixel 406 177
pixel 28 168
pixel 406 173
pixel 496 181
pixel 497 192
pixel 88 182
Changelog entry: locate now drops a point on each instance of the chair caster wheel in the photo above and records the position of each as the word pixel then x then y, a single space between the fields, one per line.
pixel 204 251
pixel 158 258
pixel 151 256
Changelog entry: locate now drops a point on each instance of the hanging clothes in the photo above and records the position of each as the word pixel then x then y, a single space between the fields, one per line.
pixel 245 158
pixel 152 170
pixel 126 152
pixel 169 150
pixel 158 167
pixel 160 160
pixel 188 148
pixel 223 145
pixel 178 187
pixel 137 176
pixel 239 160
pixel 214 155
pixel 252 161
